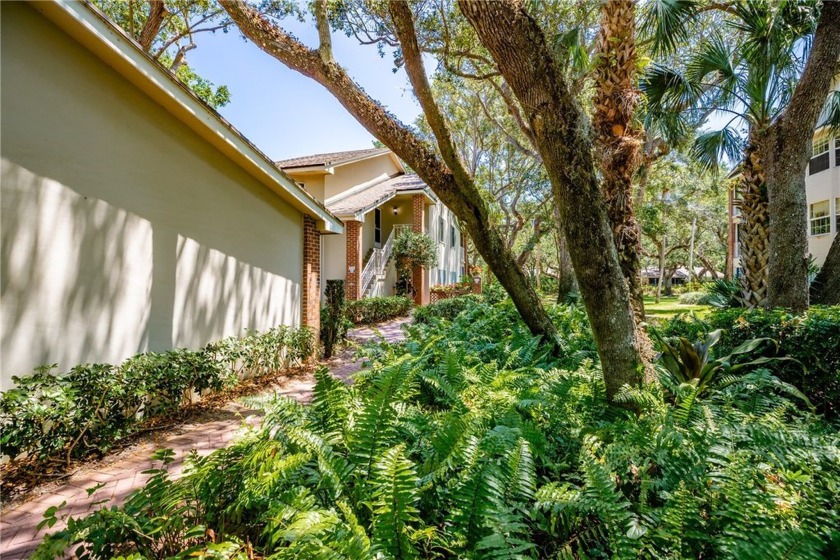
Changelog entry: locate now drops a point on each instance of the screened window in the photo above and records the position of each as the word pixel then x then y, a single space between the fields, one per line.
pixel 452 236
pixel 820 218
pixel 377 226
pixel 441 237
pixel 819 158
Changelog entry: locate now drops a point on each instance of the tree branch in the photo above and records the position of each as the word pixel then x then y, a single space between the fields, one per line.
pixel 157 11
pixel 323 24
pixel 404 23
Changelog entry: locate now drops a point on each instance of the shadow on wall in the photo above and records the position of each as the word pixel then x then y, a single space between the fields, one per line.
pixel 82 280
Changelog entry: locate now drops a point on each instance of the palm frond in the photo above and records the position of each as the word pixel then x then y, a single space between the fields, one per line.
pixel 666 23
pixel 710 148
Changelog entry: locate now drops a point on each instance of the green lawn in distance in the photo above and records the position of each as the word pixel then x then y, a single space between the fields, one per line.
pixel 668 307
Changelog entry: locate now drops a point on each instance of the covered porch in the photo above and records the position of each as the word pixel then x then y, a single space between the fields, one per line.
pixel 373 217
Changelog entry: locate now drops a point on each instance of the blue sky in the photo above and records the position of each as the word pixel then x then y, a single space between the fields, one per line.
pixel 286 114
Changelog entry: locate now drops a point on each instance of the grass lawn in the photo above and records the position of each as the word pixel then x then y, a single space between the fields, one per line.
pixel 668 307
pixel 665 309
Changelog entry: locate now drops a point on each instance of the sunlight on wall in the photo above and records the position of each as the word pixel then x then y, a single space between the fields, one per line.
pixel 216 295
pixel 76 276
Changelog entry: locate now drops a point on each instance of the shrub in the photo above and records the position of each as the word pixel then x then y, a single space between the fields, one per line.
pixel 412 249
pixel 693 298
pixel 723 293
pixel 52 416
pixel 813 339
pixel 445 308
pixel 334 322
pixel 493 292
pixel 367 311
pixel 470 441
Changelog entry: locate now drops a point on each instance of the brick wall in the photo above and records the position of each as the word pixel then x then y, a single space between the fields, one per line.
pixel 311 275
pixel 418 215
pixel 352 280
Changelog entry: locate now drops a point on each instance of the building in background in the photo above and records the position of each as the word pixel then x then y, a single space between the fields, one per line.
pixel 370 191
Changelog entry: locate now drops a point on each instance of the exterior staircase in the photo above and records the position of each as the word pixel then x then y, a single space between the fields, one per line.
pixel 377 265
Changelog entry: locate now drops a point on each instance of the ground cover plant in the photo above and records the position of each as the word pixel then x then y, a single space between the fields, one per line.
pixel 471 440
pixel 53 417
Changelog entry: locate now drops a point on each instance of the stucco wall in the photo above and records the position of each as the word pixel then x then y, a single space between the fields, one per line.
pixel 819 187
pixel 122 231
pixel 362 172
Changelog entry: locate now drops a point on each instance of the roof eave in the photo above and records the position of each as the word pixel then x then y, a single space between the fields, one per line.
pixel 87 25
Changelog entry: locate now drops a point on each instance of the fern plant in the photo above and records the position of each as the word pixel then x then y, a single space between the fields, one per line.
pixel 469 441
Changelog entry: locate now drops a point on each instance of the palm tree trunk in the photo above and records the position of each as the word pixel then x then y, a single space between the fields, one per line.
pixel 617 143
pixel 755 236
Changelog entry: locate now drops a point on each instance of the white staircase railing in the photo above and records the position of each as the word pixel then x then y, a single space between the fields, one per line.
pixel 369 271
pixel 379 258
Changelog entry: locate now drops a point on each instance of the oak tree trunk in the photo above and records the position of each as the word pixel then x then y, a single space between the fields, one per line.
pixel 519 48
pixel 785 151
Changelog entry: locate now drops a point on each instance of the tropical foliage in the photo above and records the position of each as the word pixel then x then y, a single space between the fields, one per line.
pixel 470 441
pixel 811 339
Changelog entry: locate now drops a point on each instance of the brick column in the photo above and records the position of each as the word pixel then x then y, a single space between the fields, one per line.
pixel 353 271
pixel 418 214
pixel 311 276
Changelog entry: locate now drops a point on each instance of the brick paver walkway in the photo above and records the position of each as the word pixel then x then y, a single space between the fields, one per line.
pixel 123 472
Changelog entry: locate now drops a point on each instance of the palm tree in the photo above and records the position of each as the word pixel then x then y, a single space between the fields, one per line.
pixel 617 138
pixel 753 85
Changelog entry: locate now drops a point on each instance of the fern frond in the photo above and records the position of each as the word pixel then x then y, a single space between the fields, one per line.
pixel 395 497
pixel 374 428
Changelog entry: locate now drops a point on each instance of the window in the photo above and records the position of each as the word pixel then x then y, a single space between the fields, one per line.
pixel 452 236
pixel 836 151
pixel 377 226
pixel 819 158
pixel 820 218
pixel 837 215
pixel 441 237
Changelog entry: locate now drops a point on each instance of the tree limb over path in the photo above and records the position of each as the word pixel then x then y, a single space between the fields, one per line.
pixel 456 190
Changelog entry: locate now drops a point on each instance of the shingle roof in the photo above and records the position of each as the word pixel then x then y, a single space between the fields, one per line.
pixel 375 195
pixel 333 158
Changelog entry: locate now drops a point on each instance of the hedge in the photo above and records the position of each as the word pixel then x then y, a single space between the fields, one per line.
pixel 446 308
pixel 367 311
pixel 51 416
pixel 812 338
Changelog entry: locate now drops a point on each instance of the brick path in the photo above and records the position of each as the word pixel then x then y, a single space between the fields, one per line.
pixel 122 473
